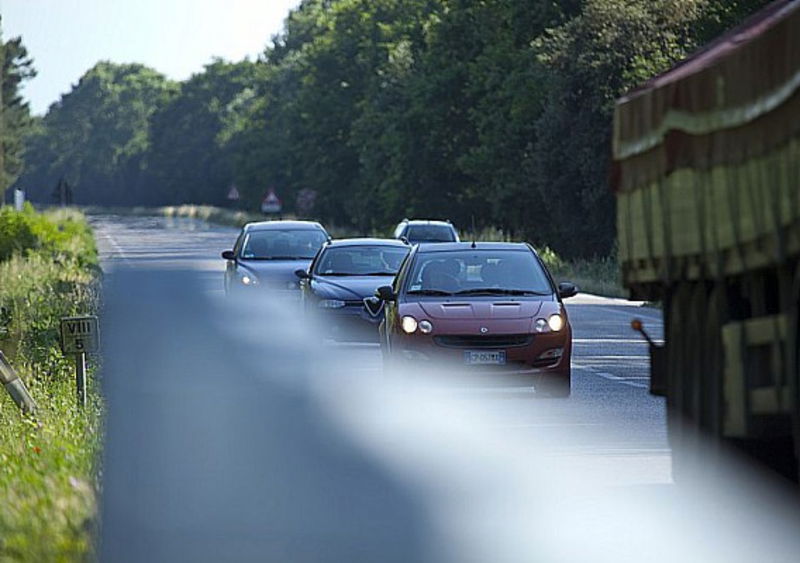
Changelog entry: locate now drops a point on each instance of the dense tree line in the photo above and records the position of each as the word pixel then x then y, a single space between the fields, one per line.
pixel 495 112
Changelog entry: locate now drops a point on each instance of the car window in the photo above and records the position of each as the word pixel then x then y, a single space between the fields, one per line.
pixel 282 244
pixel 430 233
pixel 475 270
pixel 360 260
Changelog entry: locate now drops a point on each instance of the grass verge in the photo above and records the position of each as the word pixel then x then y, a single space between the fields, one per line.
pixel 49 473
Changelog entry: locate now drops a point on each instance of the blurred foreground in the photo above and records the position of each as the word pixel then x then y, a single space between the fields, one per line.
pixel 233 436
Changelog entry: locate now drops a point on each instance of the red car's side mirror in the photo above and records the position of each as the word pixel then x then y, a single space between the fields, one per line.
pixel 567 290
pixel 385 293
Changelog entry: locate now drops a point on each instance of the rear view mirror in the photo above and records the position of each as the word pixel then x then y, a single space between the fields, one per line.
pixel 302 274
pixel 567 290
pixel 385 293
pixel 229 255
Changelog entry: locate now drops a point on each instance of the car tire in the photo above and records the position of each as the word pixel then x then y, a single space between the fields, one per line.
pixel 554 386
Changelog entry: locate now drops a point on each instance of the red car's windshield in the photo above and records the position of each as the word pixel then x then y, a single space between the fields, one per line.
pixel 475 272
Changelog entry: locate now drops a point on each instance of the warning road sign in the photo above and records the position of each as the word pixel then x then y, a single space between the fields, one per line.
pixel 271 203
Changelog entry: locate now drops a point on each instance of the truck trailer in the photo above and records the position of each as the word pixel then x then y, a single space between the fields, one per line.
pixel 706 172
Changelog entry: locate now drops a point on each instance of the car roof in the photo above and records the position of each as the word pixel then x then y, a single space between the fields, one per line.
pixel 283 225
pixel 466 246
pixel 435 222
pixel 365 241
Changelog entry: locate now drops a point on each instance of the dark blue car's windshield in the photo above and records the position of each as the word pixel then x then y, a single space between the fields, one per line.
pixel 288 244
pixel 476 272
pixel 361 260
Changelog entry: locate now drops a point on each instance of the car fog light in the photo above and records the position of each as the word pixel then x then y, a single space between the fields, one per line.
pixel 409 325
pixel 331 304
pixel 555 322
pixel 551 354
pixel 425 327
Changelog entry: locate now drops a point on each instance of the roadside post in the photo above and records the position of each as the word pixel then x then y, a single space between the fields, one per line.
pixel 233 196
pixel 80 336
pixel 15 386
pixel 19 199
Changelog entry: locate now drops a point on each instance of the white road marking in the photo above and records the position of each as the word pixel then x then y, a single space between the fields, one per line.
pixel 619 357
pixel 613 341
pixel 118 252
pixel 611 377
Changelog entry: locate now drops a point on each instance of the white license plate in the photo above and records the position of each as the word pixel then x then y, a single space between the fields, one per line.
pixel 493 358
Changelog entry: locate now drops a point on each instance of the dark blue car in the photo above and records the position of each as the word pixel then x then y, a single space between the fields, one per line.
pixel 340 284
pixel 267 254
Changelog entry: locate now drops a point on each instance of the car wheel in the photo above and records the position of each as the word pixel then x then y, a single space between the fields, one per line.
pixel 554 386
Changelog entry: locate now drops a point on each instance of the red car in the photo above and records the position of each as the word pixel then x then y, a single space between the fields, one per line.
pixel 490 307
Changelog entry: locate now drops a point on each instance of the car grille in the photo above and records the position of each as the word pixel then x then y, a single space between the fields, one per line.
pixel 477 341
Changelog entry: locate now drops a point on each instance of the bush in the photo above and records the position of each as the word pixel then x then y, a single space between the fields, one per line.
pixel 60 235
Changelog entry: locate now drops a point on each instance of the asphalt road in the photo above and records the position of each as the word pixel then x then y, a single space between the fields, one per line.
pixel 610 418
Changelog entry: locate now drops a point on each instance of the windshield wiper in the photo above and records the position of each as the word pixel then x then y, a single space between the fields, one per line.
pixel 379 274
pixel 428 292
pixel 498 291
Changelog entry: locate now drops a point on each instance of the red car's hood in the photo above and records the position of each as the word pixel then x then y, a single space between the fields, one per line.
pixel 480 310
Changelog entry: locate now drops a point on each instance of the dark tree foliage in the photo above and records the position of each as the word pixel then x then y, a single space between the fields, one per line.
pixel 96 136
pixel 188 159
pixel 15 118
pixel 495 112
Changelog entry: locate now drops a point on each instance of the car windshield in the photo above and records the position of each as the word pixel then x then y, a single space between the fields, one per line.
pixel 430 233
pixel 365 260
pixel 478 272
pixel 282 244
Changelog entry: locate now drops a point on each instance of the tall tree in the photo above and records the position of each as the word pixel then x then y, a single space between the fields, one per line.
pixel 15 117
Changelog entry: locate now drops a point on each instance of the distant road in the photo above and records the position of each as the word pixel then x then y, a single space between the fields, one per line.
pixel 616 420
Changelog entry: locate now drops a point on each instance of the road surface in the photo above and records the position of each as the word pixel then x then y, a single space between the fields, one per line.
pixel 610 416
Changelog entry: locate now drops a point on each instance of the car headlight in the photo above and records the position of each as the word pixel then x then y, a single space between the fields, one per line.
pixel 425 327
pixel 247 279
pixel 409 325
pixel 331 304
pixel 555 322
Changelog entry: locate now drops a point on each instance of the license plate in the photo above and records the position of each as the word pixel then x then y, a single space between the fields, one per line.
pixel 493 358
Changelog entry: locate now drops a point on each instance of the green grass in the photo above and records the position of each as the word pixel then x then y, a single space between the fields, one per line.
pixel 599 275
pixel 596 275
pixel 48 466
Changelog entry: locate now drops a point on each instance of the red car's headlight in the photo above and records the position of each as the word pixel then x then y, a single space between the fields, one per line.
pixel 409 324
pixel 552 324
